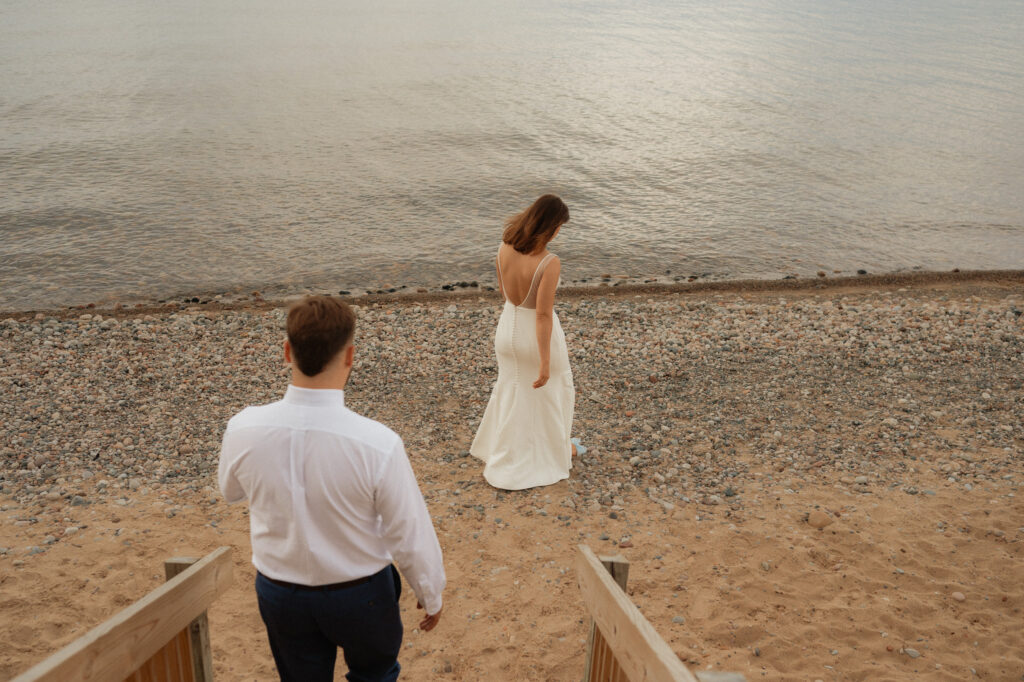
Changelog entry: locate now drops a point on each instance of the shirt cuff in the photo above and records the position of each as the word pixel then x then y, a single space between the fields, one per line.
pixel 431 604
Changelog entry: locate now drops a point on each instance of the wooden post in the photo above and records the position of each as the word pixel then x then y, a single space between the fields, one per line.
pixel 623 646
pixel 198 629
pixel 637 652
pixel 618 567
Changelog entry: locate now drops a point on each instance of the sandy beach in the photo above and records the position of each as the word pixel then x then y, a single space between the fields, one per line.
pixel 809 483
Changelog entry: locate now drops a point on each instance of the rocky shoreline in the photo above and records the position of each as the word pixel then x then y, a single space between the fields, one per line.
pixel 678 396
pixel 604 285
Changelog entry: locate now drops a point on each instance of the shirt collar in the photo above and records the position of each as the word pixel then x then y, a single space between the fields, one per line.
pixel 315 397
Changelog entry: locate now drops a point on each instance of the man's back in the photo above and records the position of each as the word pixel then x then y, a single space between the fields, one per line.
pixel 331 494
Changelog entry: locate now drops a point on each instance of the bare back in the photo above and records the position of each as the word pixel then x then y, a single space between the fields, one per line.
pixel 519 275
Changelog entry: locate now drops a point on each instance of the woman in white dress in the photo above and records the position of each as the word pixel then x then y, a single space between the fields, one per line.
pixel 524 436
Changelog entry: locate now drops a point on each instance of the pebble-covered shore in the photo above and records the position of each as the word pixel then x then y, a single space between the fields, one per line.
pixel 677 396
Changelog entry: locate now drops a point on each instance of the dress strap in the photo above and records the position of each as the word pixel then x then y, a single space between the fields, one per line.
pixel 501 280
pixel 531 296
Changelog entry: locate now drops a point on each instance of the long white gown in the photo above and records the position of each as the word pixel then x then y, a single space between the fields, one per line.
pixel 524 435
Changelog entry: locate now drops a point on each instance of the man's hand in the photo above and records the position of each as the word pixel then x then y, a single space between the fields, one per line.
pixel 429 621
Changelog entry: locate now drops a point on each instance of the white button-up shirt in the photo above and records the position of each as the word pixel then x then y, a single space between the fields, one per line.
pixel 332 496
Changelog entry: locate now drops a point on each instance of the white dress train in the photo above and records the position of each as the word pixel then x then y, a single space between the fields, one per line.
pixel 523 437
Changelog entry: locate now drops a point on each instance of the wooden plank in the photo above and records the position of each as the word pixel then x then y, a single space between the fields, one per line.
pixel 178 564
pixel 175 662
pixel 618 567
pixel 590 654
pixel 601 665
pixel 128 639
pixel 185 660
pixel 199 653
pixel 600 658
pixel 639 650
pixel 177 665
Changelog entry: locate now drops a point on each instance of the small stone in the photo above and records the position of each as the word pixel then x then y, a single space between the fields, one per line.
pixel 70 530
pixel 818 519
pixel 913 653
pixel 959 596
pixel 678 620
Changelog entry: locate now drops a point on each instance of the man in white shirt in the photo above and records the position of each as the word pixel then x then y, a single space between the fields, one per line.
pixel 332 502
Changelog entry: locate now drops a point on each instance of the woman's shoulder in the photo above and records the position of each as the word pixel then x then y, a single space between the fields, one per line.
pixel 549 263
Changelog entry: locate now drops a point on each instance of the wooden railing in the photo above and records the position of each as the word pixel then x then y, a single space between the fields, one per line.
pixel 163 637
pixel 623 646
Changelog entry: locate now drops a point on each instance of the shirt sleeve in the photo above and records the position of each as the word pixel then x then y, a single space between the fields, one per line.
pixel 408 530
pixel 230 488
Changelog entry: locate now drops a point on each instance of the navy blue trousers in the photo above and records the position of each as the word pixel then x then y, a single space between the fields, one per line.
pixel 306 628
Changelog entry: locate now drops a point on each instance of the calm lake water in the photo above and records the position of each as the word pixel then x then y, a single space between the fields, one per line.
pixel 158 149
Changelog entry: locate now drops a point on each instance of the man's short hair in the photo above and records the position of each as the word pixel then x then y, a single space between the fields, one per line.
pixel 318 328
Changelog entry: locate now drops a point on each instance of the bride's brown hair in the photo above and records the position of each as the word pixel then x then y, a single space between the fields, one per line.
pixel 536 225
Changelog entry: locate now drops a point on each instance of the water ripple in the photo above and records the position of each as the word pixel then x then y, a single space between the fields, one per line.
pixel 147 151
